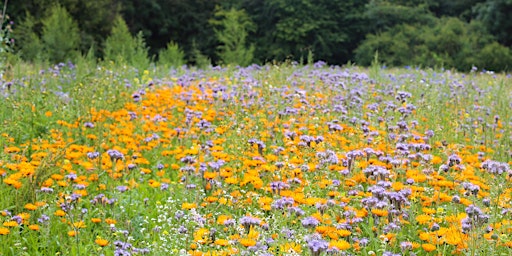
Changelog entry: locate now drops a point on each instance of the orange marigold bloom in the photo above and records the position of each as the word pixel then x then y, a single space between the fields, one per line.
pixel 110 221
pixel 95 220
pixel 188 206
pixel 423 219
pixel 340 244
pixel 380 212
pixel 60 213
pixel 247 242
pixel 30 207
pixel 10 224
pixel 221 242
pixel 4 231
pixel 428 247
pixel 72 233
pixel 34 227
pixel 101 242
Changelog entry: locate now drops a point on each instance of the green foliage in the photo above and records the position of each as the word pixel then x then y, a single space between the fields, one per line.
pixel 451 43
pixel 495 14
pixel 183 22
pixel 233 27
pixel 280 30
pixel 289 29
pixel 119 45
pixel 172 56
pixel 94 18
pixel 383 15
pixel 60 36
pixel 198 58
pixel 28 43
pixel 122 47
pixel 5 40
pixel 495 56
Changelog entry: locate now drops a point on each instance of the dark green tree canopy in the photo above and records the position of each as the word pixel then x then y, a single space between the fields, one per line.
pixel 335 31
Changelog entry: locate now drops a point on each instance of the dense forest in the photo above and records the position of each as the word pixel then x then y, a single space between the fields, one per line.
pixel 434 33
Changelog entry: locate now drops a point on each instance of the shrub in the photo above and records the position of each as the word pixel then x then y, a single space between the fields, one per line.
pixel 28 43
pixel 61 37
pixel 122 47
pixel 232 30
pixel 171 56
pixel 451 43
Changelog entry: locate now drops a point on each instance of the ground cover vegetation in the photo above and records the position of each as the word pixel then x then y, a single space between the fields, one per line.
pixel 426 33
pixel 101 159
pixel 105 150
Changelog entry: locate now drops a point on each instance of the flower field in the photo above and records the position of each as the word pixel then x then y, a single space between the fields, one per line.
pixel 264 160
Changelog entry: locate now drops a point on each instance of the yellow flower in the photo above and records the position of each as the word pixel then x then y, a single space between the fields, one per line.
pixel 79 224
pixel 423 219
pixel 291 247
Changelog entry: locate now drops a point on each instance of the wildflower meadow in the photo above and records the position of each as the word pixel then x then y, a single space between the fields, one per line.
pixel 265 160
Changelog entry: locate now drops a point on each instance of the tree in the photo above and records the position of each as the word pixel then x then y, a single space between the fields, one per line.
pixel 290 29
pixel 495 14
pixel 60 36
pixel 233 27
pixel 122 47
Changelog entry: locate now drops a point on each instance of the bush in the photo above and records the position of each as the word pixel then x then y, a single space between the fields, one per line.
pixel 171 56
pixel 122 47
pixel 451 43
pixel 28 43
pixel 233 28
pixel 61 36
pixel 494 56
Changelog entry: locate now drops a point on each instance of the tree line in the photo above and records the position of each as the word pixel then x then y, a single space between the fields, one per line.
pixel 426 33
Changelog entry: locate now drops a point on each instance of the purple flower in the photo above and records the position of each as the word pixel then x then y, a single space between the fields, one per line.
pixel 115 155
pixel 317 245
pixel 93 155
pixel 310 222
pixel 122 188
pixel 88 125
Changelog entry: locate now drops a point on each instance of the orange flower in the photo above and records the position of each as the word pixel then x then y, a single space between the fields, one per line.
pixel 95 220
pixel 340 244
pixel 428 247
pixel 221 242
pixel 34 227
pixel 72 233
pixel 30 207
pixel 110 221
pixel 380 212
pixel 188 206
pixel 101 242
pixel 247 242
pixel 10 224
pixel 4 231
